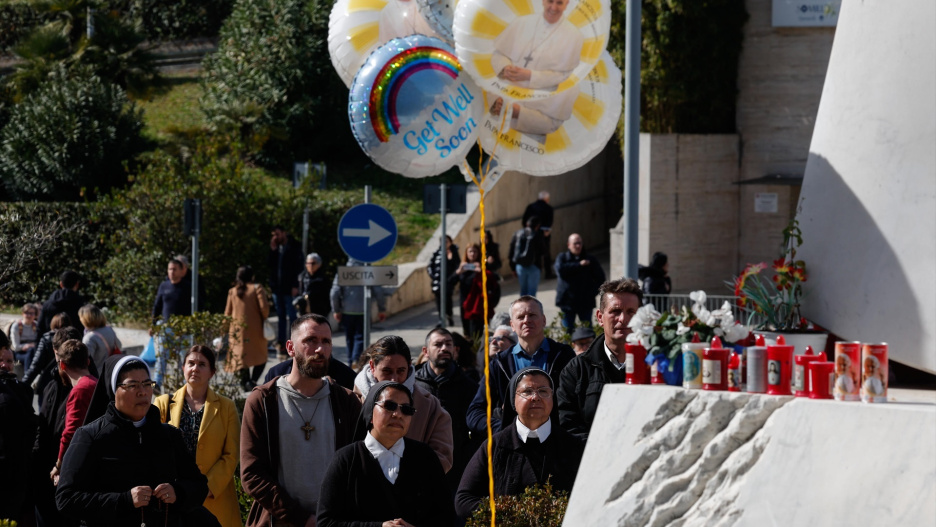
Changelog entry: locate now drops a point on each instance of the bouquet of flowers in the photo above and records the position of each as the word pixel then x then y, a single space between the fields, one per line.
pixel 776 300
pixel 663 335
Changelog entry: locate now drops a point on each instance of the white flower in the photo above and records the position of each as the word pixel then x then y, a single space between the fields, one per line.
pixel 698 297
pixel 723 311
pixel 681 329
pixel 736 332
pixel 645 316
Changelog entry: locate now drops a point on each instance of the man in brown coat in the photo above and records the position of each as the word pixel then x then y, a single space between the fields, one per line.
pixel 292 427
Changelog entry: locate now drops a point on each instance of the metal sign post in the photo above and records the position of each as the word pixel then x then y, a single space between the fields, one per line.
pixel 367 291
pixel 192 209
pixel 443 269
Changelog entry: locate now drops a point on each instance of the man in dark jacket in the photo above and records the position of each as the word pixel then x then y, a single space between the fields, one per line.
pixel 63 300
pixel 285 263
pixel 313 288
pixel 544 211
pixel 580 275
pixel 526 249
pixel 173 297
pixel 292 427
pixel 582 380
pixel 442 377
pixel 532 349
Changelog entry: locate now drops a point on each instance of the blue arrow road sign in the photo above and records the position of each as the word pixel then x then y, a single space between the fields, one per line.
pixel 367 233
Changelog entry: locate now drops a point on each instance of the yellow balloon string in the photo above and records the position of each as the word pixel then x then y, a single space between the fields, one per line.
pixel 479 181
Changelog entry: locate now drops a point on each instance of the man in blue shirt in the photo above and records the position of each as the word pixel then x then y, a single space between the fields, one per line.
pixel 532 349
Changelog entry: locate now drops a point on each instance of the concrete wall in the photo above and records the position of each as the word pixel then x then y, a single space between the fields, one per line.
pixel 689 207
pixel 580 199
pixel 869 199
pixel 780 77
pixel 660 455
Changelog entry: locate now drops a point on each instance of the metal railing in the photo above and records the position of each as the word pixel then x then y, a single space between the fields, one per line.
pixel 676 302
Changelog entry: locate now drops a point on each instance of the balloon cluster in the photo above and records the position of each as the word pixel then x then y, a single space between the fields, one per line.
pixel 428 79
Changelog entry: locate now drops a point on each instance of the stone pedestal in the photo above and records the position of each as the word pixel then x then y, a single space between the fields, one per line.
pixel 661 455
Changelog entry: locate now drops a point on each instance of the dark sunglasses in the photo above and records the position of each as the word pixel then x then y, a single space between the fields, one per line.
pixel 391 406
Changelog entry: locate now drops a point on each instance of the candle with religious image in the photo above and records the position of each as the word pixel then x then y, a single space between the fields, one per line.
pixel 715 366
pixel 800 363
pixel 757 366
pixel 874 373
pixel 692 363
pixel 847 371
pixel 779 366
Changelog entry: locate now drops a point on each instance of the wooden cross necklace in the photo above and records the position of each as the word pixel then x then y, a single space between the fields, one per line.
pixel 307 427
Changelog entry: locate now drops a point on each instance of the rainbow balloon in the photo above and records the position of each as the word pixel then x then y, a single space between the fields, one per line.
pixel 393 76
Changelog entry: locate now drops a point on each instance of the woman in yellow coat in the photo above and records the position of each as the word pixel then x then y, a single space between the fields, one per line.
pixel 211 430
pixel 247 304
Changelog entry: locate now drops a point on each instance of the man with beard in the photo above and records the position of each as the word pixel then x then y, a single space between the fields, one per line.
pixel 442 377
pixel 292 427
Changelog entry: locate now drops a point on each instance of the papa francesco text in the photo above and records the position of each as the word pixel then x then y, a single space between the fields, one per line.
pixel 448 111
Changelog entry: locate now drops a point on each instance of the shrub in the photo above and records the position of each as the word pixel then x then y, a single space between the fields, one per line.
pixel 69 139
pixel 174 20
pixel 538 506
pixel 261 80
pixel 239 206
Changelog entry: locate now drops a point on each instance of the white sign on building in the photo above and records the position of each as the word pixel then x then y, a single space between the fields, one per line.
pixel 805 13
pixel 766 202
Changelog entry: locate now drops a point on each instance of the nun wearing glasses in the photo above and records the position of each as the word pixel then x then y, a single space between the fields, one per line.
pixel 127 468
pixel 386 480
pixel 531 450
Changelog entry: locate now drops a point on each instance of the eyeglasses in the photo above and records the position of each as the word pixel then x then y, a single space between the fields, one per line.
pixel 542 393
pixel 498 339
pixel 390 406
pixel 136 386
pixel 33 313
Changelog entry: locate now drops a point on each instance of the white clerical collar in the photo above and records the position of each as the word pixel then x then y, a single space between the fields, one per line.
pixel 541 433
pixel 388 459
pixel 612 358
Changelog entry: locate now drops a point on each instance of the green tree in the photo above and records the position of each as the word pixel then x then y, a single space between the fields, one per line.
pixel 689 63
pixel 261 82
pixel 69 138
pixel 115 52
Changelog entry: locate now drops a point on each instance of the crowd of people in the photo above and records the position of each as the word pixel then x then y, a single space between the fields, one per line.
pixel 396 442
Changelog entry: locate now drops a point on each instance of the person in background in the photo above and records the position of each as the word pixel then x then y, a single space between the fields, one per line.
pixel 127 467
pixel 210 429
pixel 348 303
pixel 441 376
pixel 526 250
pixel 74 361
pixel 531 450
pixel 173 297
pixel 65 299
pixel 502 338
pixel 44 354
pixel 100 338
pixel 656 280
pixel 247 305
pixel 471 292
pixel 390 360
pixel 24 334
pixel 582 339
pixel 580 275
pixel 52 415
pixel 533 348
pixel 285 263
pixel 17 433
pixel 544 212
pixel 387 478
pixel 313 288
pixel 292 427
pixel 603 363
pixel 434 269
pixel 492 252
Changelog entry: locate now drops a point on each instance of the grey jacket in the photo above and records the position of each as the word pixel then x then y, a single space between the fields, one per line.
pixel 350 299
